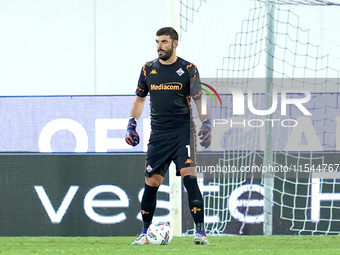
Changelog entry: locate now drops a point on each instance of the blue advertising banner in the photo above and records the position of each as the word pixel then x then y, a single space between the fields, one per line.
pixel 68 124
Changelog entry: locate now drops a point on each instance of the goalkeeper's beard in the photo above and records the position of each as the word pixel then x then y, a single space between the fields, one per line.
pixel 167 54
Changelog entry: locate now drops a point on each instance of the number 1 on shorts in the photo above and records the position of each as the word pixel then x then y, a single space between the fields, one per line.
pixel 188 148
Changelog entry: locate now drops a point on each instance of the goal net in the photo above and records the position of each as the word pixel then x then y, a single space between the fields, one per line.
pixel 277 53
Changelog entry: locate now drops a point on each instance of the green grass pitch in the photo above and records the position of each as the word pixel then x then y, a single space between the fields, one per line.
pixel 301 245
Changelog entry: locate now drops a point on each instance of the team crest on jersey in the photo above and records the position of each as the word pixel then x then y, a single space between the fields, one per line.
pixel 180 72
pixel 153 71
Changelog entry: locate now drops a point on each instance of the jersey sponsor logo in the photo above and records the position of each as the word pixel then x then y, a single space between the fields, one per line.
pixel 167 86
pixel 153 71
pixel 180 72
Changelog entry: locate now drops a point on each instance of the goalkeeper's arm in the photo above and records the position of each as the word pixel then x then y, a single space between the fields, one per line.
pixel 137 107
pixel 205 130
pixel 132 137
pixel 205 116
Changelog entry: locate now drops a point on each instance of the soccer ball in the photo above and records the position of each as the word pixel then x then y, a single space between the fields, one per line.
pixel 159 233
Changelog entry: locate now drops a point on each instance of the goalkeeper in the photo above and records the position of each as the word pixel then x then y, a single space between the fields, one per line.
pixel 171 82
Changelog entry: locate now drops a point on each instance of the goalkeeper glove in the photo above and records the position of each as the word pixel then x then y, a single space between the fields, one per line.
pixel 132 137
pixel 205 133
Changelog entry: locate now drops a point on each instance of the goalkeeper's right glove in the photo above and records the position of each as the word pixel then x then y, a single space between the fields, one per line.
pixel 205 133
pixel 132 137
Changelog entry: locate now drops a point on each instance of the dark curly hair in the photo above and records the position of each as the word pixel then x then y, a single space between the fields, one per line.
pixel 168 31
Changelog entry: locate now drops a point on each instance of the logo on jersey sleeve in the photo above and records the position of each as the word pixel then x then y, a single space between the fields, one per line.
pixel 180 72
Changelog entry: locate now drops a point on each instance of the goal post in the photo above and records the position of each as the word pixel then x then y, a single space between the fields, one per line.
pixel 268 178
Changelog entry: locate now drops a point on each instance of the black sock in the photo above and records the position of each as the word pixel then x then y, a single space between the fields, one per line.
pixel 148 204
pixel 195 200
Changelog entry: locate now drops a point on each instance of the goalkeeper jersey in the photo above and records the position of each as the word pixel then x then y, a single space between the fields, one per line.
pixel 170 88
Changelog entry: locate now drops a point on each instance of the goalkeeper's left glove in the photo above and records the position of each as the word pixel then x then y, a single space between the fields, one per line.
pixel 205 133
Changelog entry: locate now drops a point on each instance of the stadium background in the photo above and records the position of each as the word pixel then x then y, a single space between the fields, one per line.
pixel 72 48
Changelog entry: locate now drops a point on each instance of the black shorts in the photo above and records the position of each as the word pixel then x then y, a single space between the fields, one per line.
pixel 164 148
